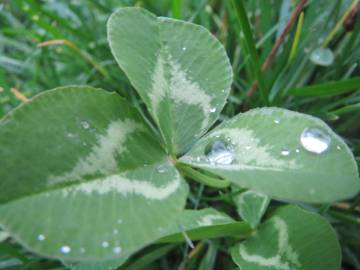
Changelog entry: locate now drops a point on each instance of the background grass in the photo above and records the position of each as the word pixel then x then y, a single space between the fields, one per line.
pixel 80 55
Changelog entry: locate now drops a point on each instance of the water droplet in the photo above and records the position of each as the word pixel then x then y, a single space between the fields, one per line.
pixel 248 147
pixel 315 140
pixel 65 249
pixel 184 48
pixel 219 152
pixel 41 237
pixel 82 250
pixel 297 150
pixel 212 110
pixel 338 147
pixel 105 244
pixel 115 231
pixel 285 151
pixel 162 168
pixel 119 221
pixel 322 57
pixel 117 250
pixel 277 121
pixel 85 124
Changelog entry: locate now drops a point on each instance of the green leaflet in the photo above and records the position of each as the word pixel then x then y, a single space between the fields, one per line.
pixel 179 69
pixel 292 239
pixel 251 206
pixel 262 150
pixel 82 177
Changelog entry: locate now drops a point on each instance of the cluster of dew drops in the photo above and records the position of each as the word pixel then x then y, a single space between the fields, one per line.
pixel 312 139
pixel 66 249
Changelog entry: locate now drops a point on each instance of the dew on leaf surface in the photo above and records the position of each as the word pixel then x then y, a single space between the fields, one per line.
pixel 85 124
pixel 219 152
pixel 117 250
pixel 65 249
pixel 285 151
pixel 315 140
pixel 322 57
pixel 41 237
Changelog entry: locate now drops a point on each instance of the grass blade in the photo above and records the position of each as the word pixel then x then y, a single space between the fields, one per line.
pixel 245 26
pixel 327 89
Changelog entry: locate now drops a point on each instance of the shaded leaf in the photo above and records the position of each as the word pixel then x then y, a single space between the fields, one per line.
pixel 76 161
pixel 292 239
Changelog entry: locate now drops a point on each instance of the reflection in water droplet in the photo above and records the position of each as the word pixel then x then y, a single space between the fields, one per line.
pixel 285 151
pixel 212 110
pixel 85 124
pixel 65 249
pixel 105 244
pixel 41 237
pixel 117 250
pixel 322 57
pixel 219 152
pixel 315 140
pixel 277 121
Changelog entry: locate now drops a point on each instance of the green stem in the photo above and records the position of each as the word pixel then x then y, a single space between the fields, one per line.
pixel 202 178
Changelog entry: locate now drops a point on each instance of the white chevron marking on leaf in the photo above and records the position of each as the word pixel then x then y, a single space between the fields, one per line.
pixel 291 261
pixel 102 156
pixel 179 87
pixel 125 186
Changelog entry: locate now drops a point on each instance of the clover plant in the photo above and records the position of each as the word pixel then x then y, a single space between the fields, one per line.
pixel 87 178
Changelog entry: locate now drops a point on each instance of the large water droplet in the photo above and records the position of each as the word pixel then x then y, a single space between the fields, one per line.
pixel 41 237
pixel 219 152
pixel 315 140
pixel 65 249
pixel 162 168
pixel 85 124
pixel 322 57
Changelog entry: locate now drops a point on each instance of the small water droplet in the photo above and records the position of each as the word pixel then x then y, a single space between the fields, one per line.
pixel 322 57
pixel 115 231
pixel 65 249
pixel 105 244
pixel 248 147
pixel 184 48
pixel 277 121
pixel 85 124
pixel 117 250
pixel 119 221
pixel 219 152
pixel 297 150
pixel 82 250
pixel 41 237
pixel 285 151
pixel 315 140
pixel 212 110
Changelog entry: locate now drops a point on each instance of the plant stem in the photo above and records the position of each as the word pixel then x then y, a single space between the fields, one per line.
pixel 202 178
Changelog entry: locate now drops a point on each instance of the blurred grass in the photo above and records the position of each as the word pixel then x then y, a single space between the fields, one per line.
pixel 45 44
